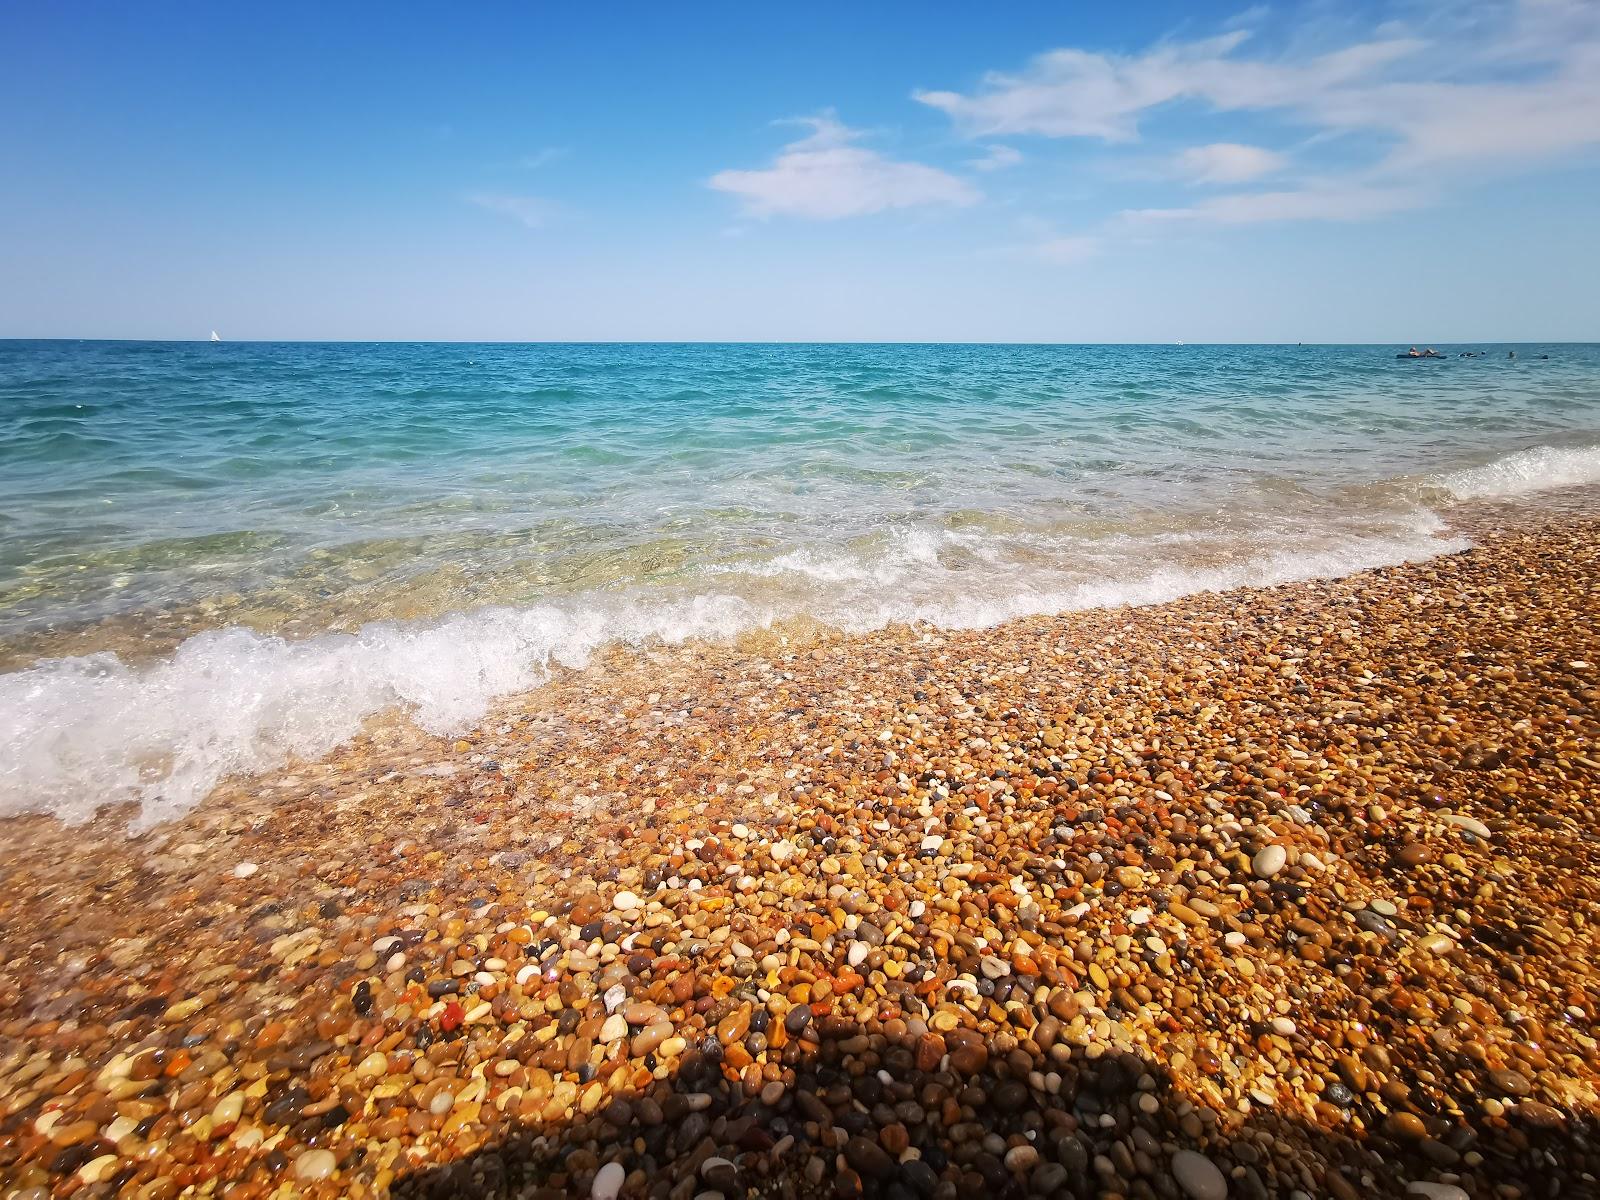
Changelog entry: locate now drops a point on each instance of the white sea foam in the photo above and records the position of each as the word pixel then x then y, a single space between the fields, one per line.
pixel 1539 469
pixel 898 587
pixel 80 733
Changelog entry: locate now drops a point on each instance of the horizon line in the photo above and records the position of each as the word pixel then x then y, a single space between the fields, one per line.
pixel 1175 344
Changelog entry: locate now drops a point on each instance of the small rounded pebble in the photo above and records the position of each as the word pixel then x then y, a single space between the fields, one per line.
pixel 313 1166
pixel 1176 900
pixel 1198 1176
pixel 608 1181
pixel 1269 861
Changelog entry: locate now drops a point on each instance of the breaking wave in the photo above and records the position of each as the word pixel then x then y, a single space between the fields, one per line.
pixel 81 733
pixel 1526 472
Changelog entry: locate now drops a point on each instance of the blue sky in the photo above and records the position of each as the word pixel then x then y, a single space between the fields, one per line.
pixel 1418 171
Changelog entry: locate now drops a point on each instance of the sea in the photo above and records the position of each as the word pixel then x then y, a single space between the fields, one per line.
pixel 219 557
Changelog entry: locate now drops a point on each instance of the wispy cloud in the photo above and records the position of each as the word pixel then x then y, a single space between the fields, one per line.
pixel 825 176
pixel 1227 162
pixel 1042 241
pixel 996 158
pixel 1080 93
pixel 531 211
pixel 1253 15
pixel 1066 250
pixel 1316 200
pixel 1312 202
pixel 541 158
pixel 1473 89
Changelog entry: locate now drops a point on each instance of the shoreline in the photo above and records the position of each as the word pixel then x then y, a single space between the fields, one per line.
pixel 1402 995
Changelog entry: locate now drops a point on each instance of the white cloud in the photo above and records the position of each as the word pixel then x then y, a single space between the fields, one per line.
pixel 1313 202
pixel 531 211
pixel 1079 93
pixel 823 176
pixel 1494 125
pixel 1493 85
pixel 1227 162
pixel 997 158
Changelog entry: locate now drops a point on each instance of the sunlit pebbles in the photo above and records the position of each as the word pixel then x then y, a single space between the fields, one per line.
pixel 1086 987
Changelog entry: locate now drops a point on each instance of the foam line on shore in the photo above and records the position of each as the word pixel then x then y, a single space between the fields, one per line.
pixel 1526 473
pixel 85 732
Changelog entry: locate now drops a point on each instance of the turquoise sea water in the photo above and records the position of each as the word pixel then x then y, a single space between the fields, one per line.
pixel 215 555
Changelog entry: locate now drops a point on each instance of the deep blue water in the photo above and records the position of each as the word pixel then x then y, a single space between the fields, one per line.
pixel 283 529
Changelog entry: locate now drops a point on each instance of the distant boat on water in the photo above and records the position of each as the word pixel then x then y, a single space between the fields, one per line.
pixel 214 336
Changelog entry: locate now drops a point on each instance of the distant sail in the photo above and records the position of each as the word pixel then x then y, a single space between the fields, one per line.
pixel 214 336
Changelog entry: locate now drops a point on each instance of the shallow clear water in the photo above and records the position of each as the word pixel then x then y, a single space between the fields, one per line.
pixel 212 556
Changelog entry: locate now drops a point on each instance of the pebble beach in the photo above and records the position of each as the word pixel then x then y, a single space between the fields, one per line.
pixel 1285 892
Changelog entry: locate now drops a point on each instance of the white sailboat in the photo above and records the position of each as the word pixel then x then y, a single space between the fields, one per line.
pixel 214 336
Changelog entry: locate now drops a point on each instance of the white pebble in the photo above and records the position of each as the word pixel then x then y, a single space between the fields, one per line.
pixel 97 1169
pixel 608 1181
pixel 315 1165
pixel 228 1110
pixel 1269 861
pixel 244 870
pixel 994 968
pixel 1470 824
